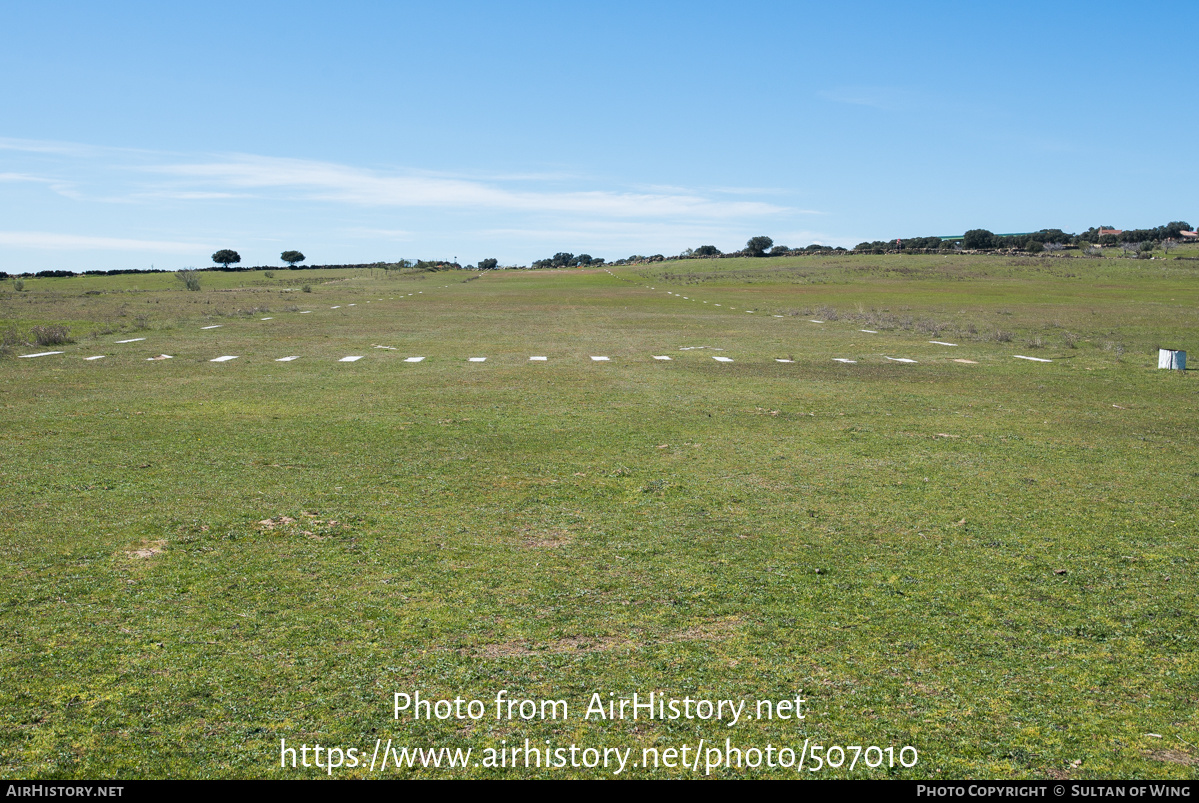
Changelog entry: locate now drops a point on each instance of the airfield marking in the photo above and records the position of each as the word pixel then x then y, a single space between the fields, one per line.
pixel 968 362
pixel 477 359
pixel 660 357
pixel 776 359
pixel 225 358
pixel 351 359
pixel 266 319
pixel 599 359
pixel 160 357
pixel 722 359
pixel 131 340
pixel 42 354
pixel 287 359
pixel 413 359
pixel 336 307
pixel 305 311
pixel 214 326
pixel 855 362
pixel 868 331
pixel 389 348
pixel 900 359
pixel 942 343
pixel 1034 359
pixel 537 359
pixel 97 357
pixel 812 321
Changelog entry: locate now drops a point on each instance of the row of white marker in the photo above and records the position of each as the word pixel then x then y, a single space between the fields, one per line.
pixel 595 358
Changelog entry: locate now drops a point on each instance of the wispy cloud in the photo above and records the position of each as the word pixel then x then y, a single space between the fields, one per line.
pixel 325 181
pixel 53 241
pixel 887 98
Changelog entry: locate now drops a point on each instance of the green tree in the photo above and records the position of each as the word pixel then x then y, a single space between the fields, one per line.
pixel 291 258
pixel 978 239
pixel 226 257
pixel 488 264
pixel 706 251
pixel 757 245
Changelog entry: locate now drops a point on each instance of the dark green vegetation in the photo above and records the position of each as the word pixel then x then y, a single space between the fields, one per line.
pixel 992 562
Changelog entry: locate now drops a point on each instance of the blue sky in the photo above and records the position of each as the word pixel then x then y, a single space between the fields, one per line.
pixel 134 134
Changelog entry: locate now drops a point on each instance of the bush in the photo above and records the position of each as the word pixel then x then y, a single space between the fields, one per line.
pixel 18 285
pixel 51 335
pixel 190 277
pixel 270 274
pixel 307 288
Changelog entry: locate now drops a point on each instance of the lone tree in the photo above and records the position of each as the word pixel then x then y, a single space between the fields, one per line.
pixel 978 239
pixel 757 246
pixel 226 257
pixel 290 257
pixel 706 251
pixel 488 264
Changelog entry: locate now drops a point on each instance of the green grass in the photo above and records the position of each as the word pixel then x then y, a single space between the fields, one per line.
pixel 885 537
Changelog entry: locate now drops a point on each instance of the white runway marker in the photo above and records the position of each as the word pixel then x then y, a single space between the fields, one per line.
pixel 855 362
pixel 413 359
pixel 97 357
pixel 336 307
pixel 723 359
pixel 131 340
pixel 537 359
pixel 478 359
pixel 777 316
pixel 351 305
pixel 160 357
pixel 900 359
pixel 351 359
pixel 287 359
pixel 389 348
pixel 718 305
pixel 968 362
pixel 812 321
pixel 942 343
pixel 214 326
pixel 599 359
pixel 660 357
pixel 1034 359
pixel 41 354
pixel 226 358
pixel 267 319
pixel 776 359
pixel 305 311
pixel 868 331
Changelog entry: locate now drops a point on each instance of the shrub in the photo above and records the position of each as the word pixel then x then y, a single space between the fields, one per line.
pixel 18 285
pixel 307 288
pixel 270 274
pixel 10 339
pixel 190 277
pixel 51 335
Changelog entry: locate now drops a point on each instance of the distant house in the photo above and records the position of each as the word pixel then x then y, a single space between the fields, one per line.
pixel 1116 232
pixel 1189 236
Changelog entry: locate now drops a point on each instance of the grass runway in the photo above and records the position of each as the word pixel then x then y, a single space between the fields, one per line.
pixel 992 561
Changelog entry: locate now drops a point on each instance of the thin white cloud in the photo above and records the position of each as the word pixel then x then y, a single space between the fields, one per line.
pixel 26 177
pixel 53 241
pixel 887 98
pixel 325 181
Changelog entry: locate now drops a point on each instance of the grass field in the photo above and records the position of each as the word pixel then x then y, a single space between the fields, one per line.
pixel 991 561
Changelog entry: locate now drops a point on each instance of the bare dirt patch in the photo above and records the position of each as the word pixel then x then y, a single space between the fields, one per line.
pixel 713 630
pixel 533 538
pixel 148 549
pixel 1174 757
